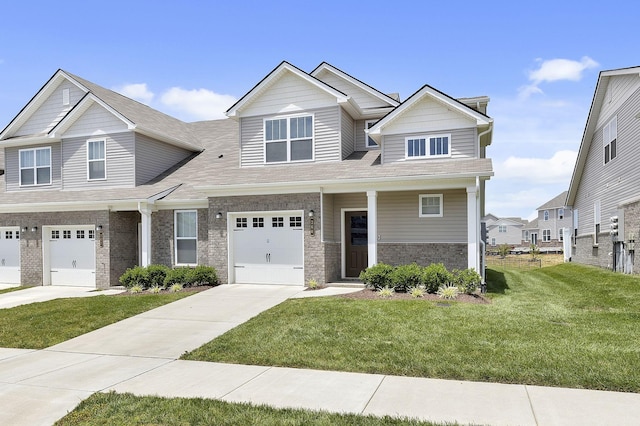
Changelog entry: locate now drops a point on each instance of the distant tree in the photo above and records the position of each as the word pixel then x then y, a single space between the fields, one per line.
pixel 534 251
pixel 503 250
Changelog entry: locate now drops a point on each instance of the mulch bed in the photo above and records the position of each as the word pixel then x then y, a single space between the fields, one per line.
pixel 369 294
pixel 195 289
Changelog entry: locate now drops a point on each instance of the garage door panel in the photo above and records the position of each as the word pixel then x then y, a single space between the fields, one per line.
pixel 72 256
pixel 9 256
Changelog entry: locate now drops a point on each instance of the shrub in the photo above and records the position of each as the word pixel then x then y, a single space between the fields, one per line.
pixel 312 284
pixel 136 276
pixel 404 277
pixel 435 276
pixel 467 280
pixel 202 275
pixel 178 275
pixel 448 292
pixel 377 276
pixel 136 288
pixel 155 289
pixel 386 291
pixel 417 291
pixel 157 274
pixel 503 250
pixel 175 288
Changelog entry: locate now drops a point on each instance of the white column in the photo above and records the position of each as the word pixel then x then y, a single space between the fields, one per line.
pixel 473 228
pixel 145 238
pixel 372 227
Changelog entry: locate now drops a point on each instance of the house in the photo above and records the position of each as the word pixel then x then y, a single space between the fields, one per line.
pixel 604 191
pixel 547 230
pixel 505 230
pixel 314 175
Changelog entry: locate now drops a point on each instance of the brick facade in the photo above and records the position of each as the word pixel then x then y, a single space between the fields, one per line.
pixel 162 237
pixel 585 252
pixel 453 256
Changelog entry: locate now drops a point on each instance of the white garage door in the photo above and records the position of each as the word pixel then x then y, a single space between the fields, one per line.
pixel 72 255
pixel 9 255
pixel 268 248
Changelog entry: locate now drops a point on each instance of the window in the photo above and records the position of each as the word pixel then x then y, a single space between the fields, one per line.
pixel 258 222
pixel 526 235
pixel 502 228
pixel 493 241
pixel 66 235
pixel 92 234
pixel 560 234
pixel 35 166
pixel 8 235
pixel 596 222
pixel 546 215
pixel 609 140
pixel 546 235
pixel 241 222
pixel 80 234
pixel 96 163
pixel 277 222
pixel 428 146
pixel 186 237
pixel 370 142
pixel 55 235
pixel 560 214
pixel 430 205
pixel 295 221
pixel 288 139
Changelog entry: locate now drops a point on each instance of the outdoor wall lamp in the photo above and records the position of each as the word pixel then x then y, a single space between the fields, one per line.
pixel 25 229
pixel 99 228
pixel 34 229
pixel 219 215
pixel 311 213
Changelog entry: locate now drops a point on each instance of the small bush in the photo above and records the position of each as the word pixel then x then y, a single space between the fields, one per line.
pixel 155 289
pixel 175 288
pixel 417 291
pixel 178 275
pixel 202 275
pixel 448 292
pixel 435 276
pixel 312 284
pixel 377 276
pixel 136 276
pixel 386 291
pixel 157 274
pixel 404 277
pixel 136 288
pixel 503 250
pixel 467 280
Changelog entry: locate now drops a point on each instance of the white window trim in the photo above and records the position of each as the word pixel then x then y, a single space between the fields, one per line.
pixel 545 215
pixel 561 234
pixel 35 167
pixel 427 149
pixel 546 235
pixel 367 139
pixel 607 138
pixel 526 236
pixel 422 197
pixel 104 140
pixel 176 238
pixel 560 214
pixel 288 139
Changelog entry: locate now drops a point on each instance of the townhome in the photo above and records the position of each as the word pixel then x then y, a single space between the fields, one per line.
pixel 554 217
pixel 505 230
pixel 314 175
pixel 604 191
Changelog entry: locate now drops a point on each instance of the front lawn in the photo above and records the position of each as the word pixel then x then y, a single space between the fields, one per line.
pixel 40 325
pixel 125 409
pixel 567 325
pixel 10 289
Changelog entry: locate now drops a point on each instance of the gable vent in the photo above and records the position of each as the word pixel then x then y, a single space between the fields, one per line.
pixel 65 97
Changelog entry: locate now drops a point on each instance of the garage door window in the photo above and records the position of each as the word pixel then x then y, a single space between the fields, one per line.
pixel 258 222
pixel 295 221
pixel 186 235
pixel 277 222
pixel 241 222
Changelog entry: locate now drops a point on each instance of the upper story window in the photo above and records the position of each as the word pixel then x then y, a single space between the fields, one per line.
pixel 430 205
pixel 96 159
pixel 609 140
pixel 35 166
pixel 560 214
pixel 428 146
pixel 186 237
pixel 546 215
pixel 288 139
pixel 370 142
pixel 502 228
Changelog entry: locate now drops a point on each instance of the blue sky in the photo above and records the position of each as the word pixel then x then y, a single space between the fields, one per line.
pixel 537 61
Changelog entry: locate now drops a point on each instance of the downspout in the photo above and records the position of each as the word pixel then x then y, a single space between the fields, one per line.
pixel 480 135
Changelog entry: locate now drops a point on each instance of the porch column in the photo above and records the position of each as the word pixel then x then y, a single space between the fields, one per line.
pixel 145 238
pixel 372 227
pixel 473 229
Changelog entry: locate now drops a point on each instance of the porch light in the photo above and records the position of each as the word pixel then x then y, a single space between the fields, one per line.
pixel 99 228
pixel 311 213
pixel 25 229
pixel 219 215
pixel 34 229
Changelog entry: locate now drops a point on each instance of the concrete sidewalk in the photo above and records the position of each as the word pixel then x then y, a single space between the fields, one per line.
pixel 139 355
pixel 46 293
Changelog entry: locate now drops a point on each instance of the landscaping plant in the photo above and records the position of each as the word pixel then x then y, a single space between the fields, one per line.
pixel 377 276
pixel 435 276
pixel 404 277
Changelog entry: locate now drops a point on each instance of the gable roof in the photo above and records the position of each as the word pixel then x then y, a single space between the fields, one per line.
pixel 139 117
pixel 285 67
pixel 590 127
pixel 556 202
pixel 427 91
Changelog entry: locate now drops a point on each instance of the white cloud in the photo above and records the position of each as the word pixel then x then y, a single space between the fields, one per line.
pixel 197 104
pixel 138 91
pixel 557 169
pixel 556 70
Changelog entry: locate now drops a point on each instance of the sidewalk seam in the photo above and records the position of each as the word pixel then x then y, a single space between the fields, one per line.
pixel 373 394
pixel 246 382
pixel 533 411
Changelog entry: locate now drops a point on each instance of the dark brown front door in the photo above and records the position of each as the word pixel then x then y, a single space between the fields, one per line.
pixel 356 243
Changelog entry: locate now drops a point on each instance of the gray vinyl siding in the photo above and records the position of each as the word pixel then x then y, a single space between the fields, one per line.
pixel 463 144
pixel 12 172
pixel 119 161
pixel 398 220
pixel 361 139
pixel 513 236
pixel 51 111
pixel 346 201
pixel 328 218
pixel 326 137
pixel 616 181
pixel 348 136
pixel 154 157
pixel 96 117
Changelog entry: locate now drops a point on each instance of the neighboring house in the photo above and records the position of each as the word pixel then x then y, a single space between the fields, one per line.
pixel 314 176
pixel 553 218
pixel 604 186
pixel 530 233
pixel 505 230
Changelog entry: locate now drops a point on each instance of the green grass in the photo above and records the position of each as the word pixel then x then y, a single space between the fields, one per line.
pixel 9 290
pixel 40 325
pixel 125 409
pixel 566 325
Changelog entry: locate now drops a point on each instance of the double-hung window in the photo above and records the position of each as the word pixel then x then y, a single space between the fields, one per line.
pixel 433 146
pixel 546 215
pixel 502 228
pixel 546 235
pixel 370 142
pixel 96 159
pixel 288 139
pixel 430 205
pixel 35 166
pixel 186 237
pixel 609 140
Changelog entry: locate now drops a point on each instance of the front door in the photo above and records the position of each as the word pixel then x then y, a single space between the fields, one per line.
pixel 356 243
pixel 534 239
